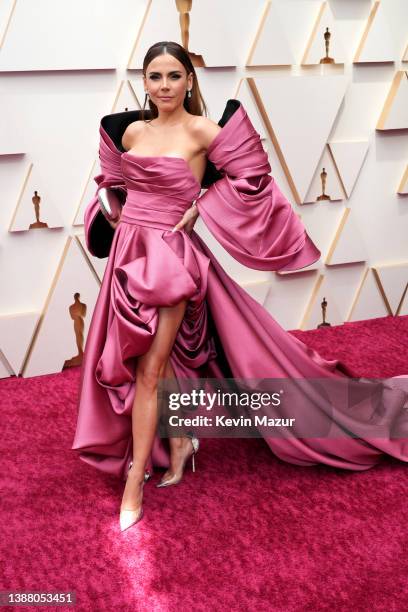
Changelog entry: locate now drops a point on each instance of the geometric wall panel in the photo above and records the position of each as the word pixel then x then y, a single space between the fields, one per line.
pixel 244 94
pixel 136 86
pixel 403 308
pixel 377 42
pixel 5 368
pixel 139 96
pixel 392 281
pixel 326 183
pixel 325 28
pixel 97 263
pixel 349 157
pixel 125 98
pixel 88 193
pixel 394 115
pixel 287 297
pixel 347 245
pixel 313 314
pixel 209 45
pixel 61 332
pixel 340 283
pixel 257 290
pixel 403 186
pixel 83 35
pixel 368 299
pixel 35 208
pixel 16 332
pixel 270 47
pixel 6 14
pixel 160 22
pixel 299 113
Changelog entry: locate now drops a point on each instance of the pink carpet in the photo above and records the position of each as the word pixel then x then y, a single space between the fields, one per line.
pixel 245 532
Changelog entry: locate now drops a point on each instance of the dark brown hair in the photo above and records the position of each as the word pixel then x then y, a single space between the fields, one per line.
pixel 194 105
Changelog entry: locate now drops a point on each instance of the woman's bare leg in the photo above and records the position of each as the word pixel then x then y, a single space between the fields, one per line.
pixel 150 368
pixel 179 447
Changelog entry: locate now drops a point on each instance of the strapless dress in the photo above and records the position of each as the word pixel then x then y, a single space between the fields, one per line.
pixel 225 333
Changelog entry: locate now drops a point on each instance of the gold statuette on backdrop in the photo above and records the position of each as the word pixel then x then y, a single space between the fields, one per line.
pixel 323 178
pixel 324 323
pixel 77 312
pixel 36 199
pixel 327 59
pixel 184 8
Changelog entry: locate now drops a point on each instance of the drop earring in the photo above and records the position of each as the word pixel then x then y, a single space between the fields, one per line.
pixel 189 94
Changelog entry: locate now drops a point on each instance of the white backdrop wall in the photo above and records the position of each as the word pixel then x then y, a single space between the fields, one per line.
pixel 63 65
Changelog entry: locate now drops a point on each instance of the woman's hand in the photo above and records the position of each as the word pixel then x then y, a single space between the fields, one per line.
pixel 188 220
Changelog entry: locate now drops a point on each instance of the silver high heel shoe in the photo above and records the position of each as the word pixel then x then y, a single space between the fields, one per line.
pixel 175 479
pixel 129 517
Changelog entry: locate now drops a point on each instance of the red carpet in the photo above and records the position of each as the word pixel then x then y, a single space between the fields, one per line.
pixel 245 532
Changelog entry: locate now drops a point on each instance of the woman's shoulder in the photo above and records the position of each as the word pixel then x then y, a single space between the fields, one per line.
pixel 131 132
pixel 205 130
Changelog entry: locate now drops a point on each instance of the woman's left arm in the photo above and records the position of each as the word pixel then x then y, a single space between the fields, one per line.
pixel 245 210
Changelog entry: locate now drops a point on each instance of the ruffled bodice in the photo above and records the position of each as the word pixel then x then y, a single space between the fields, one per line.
pixel 159 190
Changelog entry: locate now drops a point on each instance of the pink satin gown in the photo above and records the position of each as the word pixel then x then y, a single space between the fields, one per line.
pixel 225 332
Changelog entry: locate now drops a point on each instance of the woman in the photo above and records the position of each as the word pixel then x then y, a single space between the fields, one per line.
pixel 167 309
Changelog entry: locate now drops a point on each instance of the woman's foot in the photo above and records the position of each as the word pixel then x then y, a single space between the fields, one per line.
pixel 131 510
pixel 181 450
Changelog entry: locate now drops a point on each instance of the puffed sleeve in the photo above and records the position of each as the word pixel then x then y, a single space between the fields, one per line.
pixel 98 231
pixel 245 210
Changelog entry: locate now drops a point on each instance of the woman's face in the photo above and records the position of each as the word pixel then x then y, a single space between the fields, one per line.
pixel 166 82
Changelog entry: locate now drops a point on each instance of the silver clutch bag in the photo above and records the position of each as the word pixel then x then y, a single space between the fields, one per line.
pixel 110 202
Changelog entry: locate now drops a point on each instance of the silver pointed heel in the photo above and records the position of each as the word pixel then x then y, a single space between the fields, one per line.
pixel 130 516
pixel 127 518
pixel 176 478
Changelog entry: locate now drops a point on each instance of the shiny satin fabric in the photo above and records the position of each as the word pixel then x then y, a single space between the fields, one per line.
pixel 245 210
pixel 150 266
